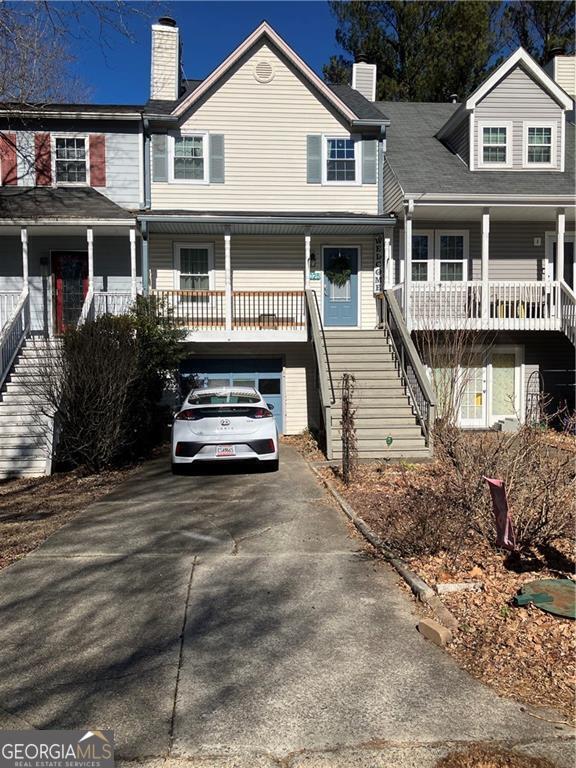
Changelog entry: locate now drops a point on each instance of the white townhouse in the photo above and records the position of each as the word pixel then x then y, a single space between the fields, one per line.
pixel 298 230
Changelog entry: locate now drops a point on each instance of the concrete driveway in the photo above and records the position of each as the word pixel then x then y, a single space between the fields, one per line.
pixel 231 620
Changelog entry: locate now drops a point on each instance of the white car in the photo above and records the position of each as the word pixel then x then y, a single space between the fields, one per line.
pixel 224 424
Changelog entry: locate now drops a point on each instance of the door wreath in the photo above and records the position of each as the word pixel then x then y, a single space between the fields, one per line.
pixel 339 271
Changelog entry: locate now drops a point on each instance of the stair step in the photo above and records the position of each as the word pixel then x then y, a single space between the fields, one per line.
pixel 24 452
pixel 13 408
pixel 414 454
pixel 390 425
pixel 361 367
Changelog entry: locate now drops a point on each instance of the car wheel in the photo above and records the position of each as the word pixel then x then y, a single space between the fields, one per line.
pixel 270 466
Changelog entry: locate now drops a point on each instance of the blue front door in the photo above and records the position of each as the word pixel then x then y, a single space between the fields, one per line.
pixel 340 286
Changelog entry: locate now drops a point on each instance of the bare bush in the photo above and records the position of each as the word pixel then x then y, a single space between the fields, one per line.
pixel 451 357
pixel 539 480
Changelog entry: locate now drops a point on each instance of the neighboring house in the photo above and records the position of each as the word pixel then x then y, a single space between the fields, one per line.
pixel 69 175
pixel 484 194
pixel 261 207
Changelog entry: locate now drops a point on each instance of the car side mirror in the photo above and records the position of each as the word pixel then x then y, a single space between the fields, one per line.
pixel 270 406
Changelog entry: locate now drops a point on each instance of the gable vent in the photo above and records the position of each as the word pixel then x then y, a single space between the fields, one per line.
pixel 263 72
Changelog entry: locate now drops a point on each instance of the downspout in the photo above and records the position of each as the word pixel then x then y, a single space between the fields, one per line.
pixel 381 152
pixel 145 259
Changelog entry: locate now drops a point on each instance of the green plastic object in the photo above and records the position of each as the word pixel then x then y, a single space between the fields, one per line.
pixel 556 596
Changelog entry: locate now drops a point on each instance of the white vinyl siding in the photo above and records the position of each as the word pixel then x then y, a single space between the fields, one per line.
pixel 516 99
pixel 265 126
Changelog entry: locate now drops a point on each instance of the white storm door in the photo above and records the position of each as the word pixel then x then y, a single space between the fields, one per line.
pixel 473 401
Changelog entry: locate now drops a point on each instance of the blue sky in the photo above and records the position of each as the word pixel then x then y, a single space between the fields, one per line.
pixel 119 73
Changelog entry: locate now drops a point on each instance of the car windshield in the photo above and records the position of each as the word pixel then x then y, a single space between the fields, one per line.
pixel 220 398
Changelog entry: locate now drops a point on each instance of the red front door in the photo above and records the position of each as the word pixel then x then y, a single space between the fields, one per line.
pixel 71 281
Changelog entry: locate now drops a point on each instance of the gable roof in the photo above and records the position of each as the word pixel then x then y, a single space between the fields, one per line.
pixel 523 58
pixel 349 105
pixel 424 165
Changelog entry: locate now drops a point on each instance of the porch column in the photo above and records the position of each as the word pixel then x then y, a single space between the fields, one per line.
pixel 307 252
pixel 133 263
pixel 24 240
pixel 407 264
pixel 228 280
pixel 560 236
pixel 90 241
pixel 388 276
pixel 485 261
pixel 145 261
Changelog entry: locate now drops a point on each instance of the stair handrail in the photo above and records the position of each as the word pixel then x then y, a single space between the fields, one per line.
pixel 319 341
pixel 87 308
pixel 413 373
pixel 568 311
pixel 13 334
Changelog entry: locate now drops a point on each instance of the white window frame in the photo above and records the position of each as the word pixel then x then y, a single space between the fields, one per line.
pixel 553 146
pixel 507 124
pixel 429 233
pixel 171 155
pixel 464 233
pixel 64 135
pixel 177 262
pixel 357 160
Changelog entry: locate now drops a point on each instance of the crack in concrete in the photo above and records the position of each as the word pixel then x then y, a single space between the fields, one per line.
pixel 180 658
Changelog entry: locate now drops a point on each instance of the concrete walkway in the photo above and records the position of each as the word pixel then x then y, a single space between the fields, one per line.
pixel 230 620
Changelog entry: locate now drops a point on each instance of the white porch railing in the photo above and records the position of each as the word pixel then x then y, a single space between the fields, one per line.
pixel 8 302
pixel 507 305
pixel 112 303
pixel 13 334
pixel 98 303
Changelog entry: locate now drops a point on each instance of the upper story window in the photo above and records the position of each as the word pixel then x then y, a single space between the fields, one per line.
pixel 70 160
pixel 495 145
pixel 341 160
pixel 189 158
pixel 538 143
pixel 194 263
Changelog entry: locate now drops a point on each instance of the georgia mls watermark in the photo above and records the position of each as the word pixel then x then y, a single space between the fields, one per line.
pixel 56 749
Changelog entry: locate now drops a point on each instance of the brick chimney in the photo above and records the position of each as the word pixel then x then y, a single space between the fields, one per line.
pixel 165 65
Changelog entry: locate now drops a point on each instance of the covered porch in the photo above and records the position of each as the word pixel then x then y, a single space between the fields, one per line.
pixel 243 278
pixel 487 267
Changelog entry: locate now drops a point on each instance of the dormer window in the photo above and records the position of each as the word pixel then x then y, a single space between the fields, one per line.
pixel 538 142
pixel 495 149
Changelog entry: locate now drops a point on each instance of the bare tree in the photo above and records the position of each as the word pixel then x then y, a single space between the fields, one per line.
pixel 37 41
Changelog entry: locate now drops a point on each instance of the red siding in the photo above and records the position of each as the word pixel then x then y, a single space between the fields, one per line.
pixel 97 161
pixel 8 158
pixel 43 159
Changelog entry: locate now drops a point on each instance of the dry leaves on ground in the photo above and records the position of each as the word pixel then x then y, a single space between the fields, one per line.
pixel 483 756
pixel 524 653
pixel 32 509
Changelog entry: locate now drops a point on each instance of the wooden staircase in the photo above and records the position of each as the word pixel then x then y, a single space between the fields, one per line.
pixel 386 425
pixel 26 430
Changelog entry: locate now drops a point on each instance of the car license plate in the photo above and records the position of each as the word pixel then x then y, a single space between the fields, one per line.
pixel 225 450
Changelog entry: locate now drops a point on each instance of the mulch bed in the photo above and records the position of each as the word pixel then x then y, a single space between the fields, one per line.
pixel 523 653
pixel 33 509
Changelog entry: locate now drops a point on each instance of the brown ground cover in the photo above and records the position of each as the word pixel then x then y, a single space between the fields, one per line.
pixel 33 509
pixel 524 653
